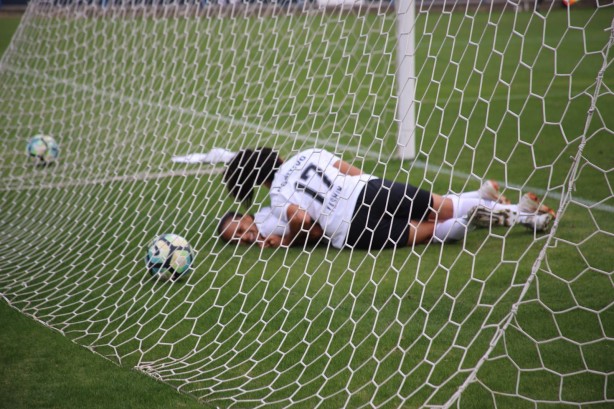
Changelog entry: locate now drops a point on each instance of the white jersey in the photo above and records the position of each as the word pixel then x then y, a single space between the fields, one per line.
pixel 270 224
pixel 310 181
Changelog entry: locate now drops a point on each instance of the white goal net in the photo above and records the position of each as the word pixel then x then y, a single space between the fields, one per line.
pixel 516 92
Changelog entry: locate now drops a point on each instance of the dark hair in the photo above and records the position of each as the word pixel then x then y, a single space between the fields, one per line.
pixel 248 169
pixel 222 224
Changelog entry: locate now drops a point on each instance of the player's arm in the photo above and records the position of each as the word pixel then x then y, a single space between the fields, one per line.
pixel 287 240
pixel 346 168
pixel 299 222
pixel 315 233
pixel 272 241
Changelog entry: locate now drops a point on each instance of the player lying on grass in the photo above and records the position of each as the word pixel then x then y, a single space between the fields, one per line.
pixel 358 210
pixel 266 230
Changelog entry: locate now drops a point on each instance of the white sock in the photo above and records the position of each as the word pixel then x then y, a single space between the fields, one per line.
pixel 474 194
pixel 462 204
pixel 450 230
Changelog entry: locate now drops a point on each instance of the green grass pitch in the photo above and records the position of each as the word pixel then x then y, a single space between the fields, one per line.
pixel 341 327
pixel 42 369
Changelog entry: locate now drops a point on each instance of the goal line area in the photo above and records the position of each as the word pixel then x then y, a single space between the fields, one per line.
pixel 109 240
pixel 20 182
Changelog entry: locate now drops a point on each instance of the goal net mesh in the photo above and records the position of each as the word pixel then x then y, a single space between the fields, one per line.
pixel 518 93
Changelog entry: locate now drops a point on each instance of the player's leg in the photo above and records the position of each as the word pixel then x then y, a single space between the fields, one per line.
pixel 420 232
pixel 533 214
pixel 487 214
pixel 402 200
pixel 529 212
pixel 369 229
pixel 490 191
pixel 450 230
pixel 458 205
pixel 397 200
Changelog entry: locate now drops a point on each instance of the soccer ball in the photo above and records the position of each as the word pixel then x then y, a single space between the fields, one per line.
pixel 169 257
pixel 43 149
pixel 569 3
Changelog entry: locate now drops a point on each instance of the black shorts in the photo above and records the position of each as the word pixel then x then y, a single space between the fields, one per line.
pixel 382 214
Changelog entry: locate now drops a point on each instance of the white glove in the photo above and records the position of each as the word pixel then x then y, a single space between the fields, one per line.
pixel 215 155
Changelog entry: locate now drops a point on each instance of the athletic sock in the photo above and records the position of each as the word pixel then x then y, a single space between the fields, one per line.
pixel 474 194
pixel 463 204
pixel 450 230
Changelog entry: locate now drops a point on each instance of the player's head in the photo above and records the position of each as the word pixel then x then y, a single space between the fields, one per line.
pixel 238 228
pixel 248 169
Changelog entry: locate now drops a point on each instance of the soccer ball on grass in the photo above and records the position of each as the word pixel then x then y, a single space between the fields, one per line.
pixel 169 257
pixel 43 149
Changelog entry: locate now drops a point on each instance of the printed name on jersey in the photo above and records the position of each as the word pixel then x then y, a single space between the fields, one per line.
pixel 286 175
pixel 334 199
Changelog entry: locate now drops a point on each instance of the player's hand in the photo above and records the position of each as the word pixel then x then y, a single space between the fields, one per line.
pixel 272 241
pixel 298 220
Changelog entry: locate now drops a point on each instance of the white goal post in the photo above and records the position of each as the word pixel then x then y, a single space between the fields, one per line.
pixel 406 78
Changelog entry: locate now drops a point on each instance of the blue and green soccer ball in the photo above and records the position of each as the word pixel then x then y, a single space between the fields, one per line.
pixel 169 257
pixel 43 149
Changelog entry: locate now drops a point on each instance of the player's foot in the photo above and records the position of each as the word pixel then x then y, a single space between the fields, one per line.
pixel 469 222
pixel 482 216
pixel 534 214
pixel 538 222
pixel 530 203
pixel 490 191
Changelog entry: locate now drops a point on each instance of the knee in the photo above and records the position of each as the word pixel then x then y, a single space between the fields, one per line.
pixel 443 207
pixel 420 232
